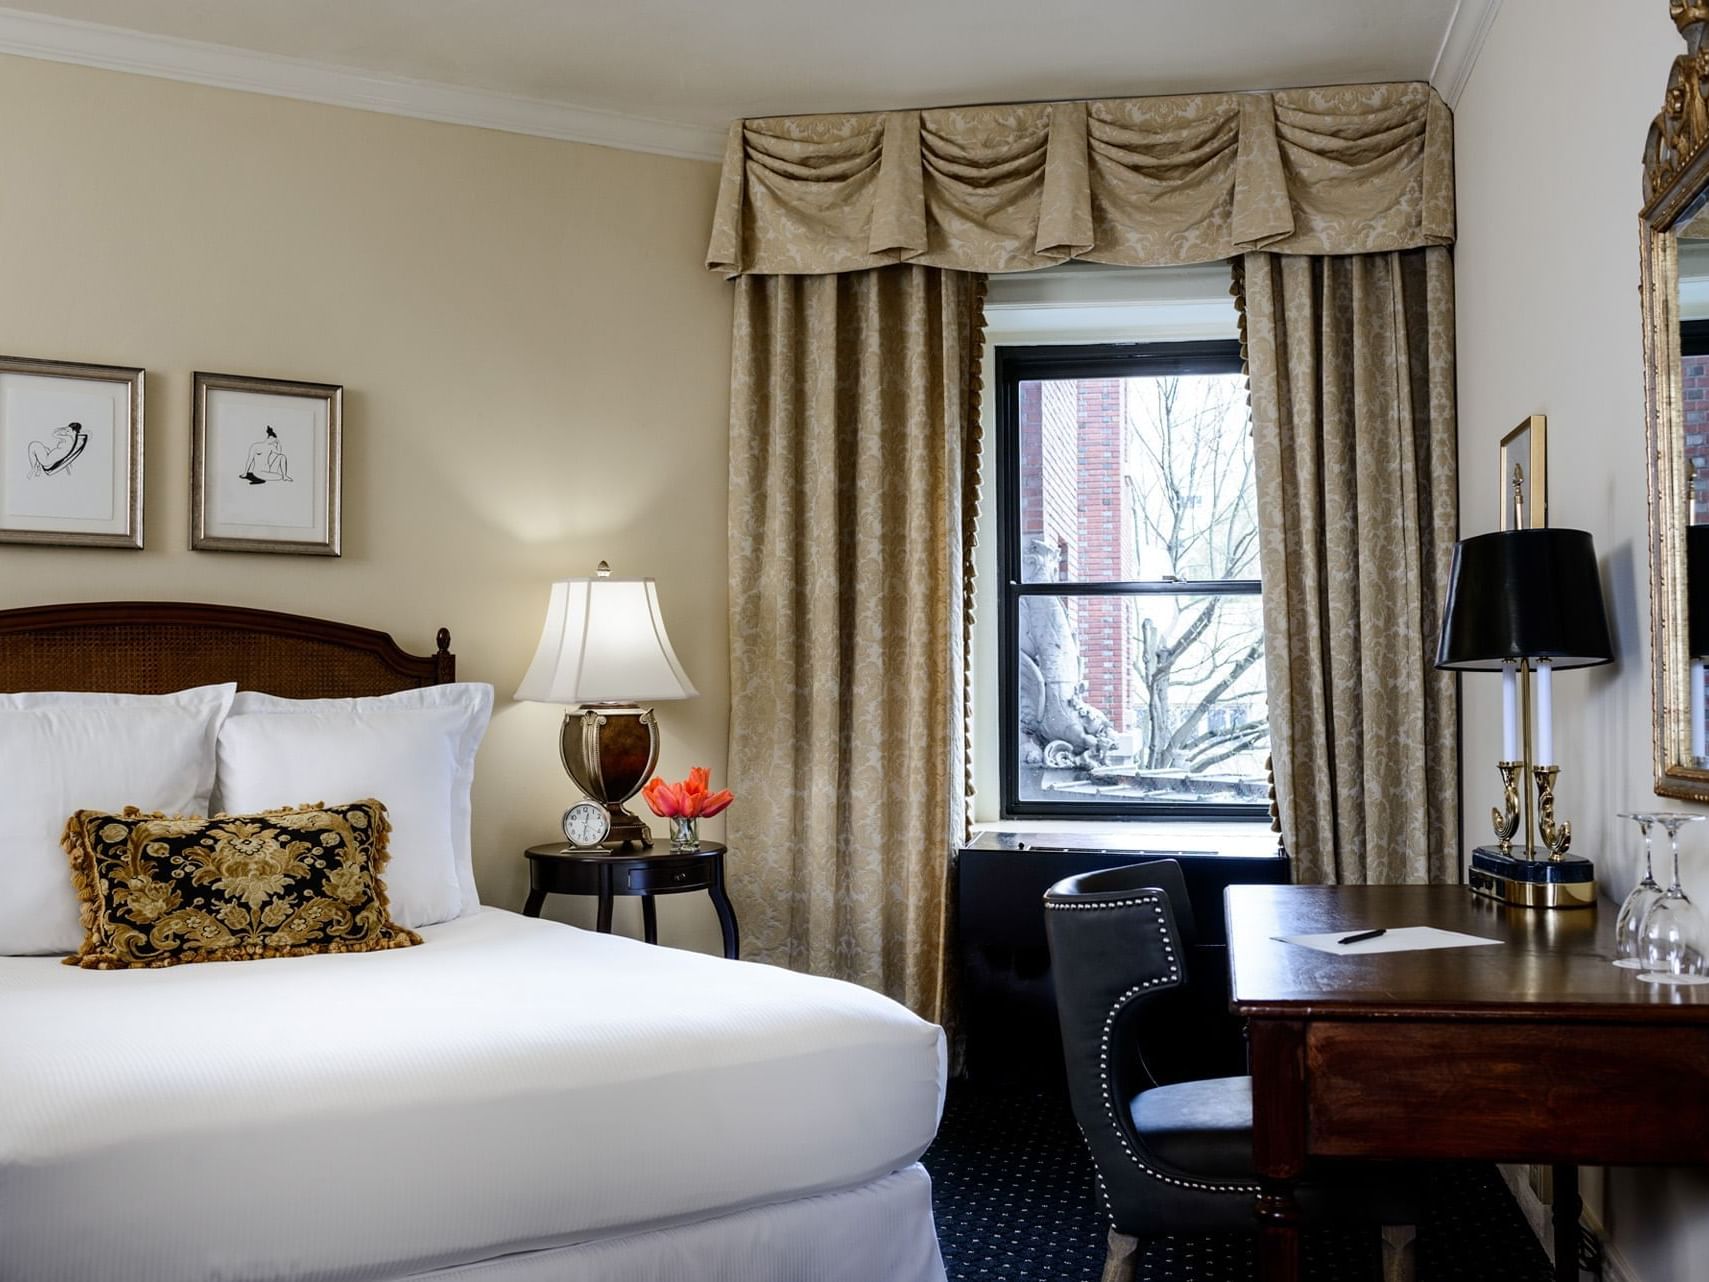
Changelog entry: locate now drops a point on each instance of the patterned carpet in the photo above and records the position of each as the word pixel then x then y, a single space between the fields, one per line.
pixel 1014 1200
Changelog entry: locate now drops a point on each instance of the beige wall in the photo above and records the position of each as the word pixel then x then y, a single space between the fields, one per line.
pixel 535 368
pixel 1550 135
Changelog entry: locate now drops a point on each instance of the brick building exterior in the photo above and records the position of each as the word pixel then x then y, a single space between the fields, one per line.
pixel 1695 371
pixel 1074 443
pixel 1050 472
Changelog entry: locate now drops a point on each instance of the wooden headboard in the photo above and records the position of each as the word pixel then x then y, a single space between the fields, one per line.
pixel 154 647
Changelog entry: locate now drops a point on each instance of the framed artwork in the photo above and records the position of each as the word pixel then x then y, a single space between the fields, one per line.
pixel 1525 476
pixel 70 453
pixel 265 464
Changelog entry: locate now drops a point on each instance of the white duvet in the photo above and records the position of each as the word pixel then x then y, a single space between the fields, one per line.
pixel 511 1084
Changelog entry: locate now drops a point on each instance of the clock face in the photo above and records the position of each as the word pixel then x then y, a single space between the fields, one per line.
pixel 586 824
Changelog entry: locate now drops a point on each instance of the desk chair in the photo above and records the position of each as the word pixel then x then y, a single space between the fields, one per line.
pixel 1176 1157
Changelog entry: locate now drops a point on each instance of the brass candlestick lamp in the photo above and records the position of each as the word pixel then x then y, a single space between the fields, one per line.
pixel 604 649
pixel 1525 603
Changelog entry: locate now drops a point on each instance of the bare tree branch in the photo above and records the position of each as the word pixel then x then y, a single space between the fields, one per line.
pixel 1188 487
pixel 1234 742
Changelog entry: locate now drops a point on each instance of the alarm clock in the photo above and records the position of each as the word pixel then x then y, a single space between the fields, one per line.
pixel 586 824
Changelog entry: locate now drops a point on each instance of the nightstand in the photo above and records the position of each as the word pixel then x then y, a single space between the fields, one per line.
pixel 560 869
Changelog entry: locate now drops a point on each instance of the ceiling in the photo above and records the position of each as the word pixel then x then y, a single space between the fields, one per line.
pixel 700 63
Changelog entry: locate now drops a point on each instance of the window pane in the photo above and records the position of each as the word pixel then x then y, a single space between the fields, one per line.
pixel 1154 698
pixel 1136 479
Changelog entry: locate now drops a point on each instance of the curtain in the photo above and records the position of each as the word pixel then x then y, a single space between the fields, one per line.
pixel 1143 182
pixel 1351 362
pixel 854 240
pixel 853 456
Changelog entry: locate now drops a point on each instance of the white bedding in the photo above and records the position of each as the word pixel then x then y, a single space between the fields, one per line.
pixel 876 1232
pixel 510 1085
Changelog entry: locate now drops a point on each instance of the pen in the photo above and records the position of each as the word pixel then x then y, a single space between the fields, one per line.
pixel 1362 936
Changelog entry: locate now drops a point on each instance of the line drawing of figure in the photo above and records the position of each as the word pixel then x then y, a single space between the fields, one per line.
pixel 51 458
pixel 267 461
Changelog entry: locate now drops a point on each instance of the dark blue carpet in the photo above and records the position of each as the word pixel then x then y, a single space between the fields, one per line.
pixel 1014 1199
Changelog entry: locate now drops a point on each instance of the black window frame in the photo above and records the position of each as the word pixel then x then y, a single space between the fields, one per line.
pixel 1021 364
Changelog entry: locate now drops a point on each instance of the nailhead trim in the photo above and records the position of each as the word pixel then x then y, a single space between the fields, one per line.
pixel 1155 903
pixel 1103 1191
pixel 1108 903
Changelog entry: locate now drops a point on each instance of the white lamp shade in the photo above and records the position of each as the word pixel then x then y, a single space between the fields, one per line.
pixel 604 642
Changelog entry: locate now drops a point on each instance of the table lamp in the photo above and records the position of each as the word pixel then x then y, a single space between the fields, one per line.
pixel 1523 601
pixel 604 650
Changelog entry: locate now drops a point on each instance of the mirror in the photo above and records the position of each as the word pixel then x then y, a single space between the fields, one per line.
pixel 1676 352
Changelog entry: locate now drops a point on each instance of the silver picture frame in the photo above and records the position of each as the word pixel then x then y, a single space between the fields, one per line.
pixel 266 465
pixel 45 442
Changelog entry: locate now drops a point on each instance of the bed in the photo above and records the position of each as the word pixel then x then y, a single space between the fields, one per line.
pixel 515 1100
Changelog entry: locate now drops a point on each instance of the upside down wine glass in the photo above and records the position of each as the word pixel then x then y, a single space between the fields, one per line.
pixel 1629 926
pixel 1672 946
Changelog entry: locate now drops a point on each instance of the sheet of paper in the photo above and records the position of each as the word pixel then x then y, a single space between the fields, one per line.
pixel 1397 939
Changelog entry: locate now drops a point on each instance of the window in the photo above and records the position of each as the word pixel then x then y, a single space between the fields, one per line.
pixel 1131 641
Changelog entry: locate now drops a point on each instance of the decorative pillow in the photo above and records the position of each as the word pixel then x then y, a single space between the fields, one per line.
pixel 160 890
pixel 415 748
pixel 61 752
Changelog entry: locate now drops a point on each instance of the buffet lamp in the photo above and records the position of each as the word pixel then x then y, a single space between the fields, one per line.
pixel 1523 601
pixel 604 650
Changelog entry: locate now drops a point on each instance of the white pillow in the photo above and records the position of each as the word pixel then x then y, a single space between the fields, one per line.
pixel 413 751
pixel 62 752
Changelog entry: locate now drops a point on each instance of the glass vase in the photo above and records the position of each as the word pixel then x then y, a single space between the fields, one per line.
pixel 685 835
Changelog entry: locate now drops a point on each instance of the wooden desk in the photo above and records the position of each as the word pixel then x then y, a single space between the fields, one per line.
pixel 1538 1050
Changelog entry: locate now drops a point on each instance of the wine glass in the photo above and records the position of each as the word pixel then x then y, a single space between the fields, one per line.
pixel 1629 926
pixel 1673 929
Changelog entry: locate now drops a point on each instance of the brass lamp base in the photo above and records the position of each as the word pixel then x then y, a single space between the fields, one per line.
pixel 1518 882
pixel 609 750
pixel 1524 877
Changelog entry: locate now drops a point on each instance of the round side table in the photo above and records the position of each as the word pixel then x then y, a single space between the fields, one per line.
pixel 561 869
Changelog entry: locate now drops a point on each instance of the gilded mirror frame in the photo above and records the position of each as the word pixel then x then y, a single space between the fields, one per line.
pixel 1676 174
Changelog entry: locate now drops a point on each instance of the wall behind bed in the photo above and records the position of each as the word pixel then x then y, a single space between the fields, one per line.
pixel 535 363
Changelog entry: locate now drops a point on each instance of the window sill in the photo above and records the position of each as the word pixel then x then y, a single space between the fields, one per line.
pixel 1219 836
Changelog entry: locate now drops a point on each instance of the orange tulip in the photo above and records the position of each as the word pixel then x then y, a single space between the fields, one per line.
pixel 661 798
pixel 690 799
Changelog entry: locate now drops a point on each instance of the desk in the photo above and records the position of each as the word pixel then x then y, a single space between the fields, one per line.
pixel 1535 1051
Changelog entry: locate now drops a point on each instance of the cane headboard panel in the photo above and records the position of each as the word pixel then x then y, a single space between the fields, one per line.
pixel 153 647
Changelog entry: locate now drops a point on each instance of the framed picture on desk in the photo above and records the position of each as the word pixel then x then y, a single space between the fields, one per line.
pixel 1524 487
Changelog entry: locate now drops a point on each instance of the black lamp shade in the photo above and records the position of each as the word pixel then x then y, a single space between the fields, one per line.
pixel 1524 594
pixel 1697 588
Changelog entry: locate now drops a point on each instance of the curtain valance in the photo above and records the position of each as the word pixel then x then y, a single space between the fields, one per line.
pixel 1141 182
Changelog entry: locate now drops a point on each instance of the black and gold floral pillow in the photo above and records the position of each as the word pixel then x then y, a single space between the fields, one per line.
pixel 160 890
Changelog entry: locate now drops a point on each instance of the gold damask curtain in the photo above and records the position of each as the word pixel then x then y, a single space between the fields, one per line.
pixel 1352 375
pixel 853 452
pixel 1143 182
pixel 856 240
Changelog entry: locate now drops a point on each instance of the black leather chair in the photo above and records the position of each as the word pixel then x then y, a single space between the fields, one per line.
pixel 1171 1157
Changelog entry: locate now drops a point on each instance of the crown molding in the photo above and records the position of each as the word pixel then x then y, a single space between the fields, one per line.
pixel 1462 42
pixel 89 44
